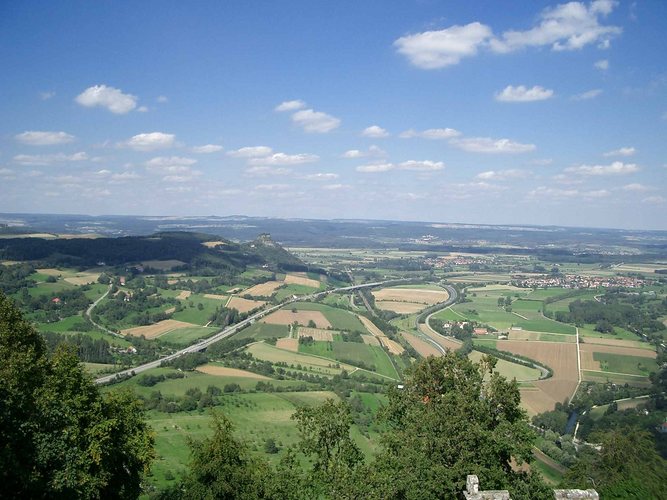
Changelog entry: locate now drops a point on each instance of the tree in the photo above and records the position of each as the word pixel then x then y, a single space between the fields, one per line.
pixel 61 437
pixel 452 418
pixel 222 467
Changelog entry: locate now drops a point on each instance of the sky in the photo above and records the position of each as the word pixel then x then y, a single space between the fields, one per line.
pixel 490 112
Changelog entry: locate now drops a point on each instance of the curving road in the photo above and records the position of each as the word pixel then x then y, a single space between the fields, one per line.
pixel 453 295
pixel 90 310
pixel 231 330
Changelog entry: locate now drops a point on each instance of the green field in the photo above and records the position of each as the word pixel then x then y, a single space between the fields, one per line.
pixel 447 315
pixel 262 331
pixel 510 370
pixel 289 290
pixel 354 353
pixel 631 365
pixel 186 336
pixel 589 331
pixel 339 319
pixel 309 363
pixel 193 314
pixel 546 325
pixel 64 325
pixel 634 380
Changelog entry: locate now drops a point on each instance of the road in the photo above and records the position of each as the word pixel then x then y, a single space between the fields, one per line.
pixel 453 295
pixel 231 330
pixel 90 310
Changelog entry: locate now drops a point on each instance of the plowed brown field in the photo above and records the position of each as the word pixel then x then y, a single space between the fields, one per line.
pixel 421 346
pixel 159 328
pixel 287 317
pixel 244 305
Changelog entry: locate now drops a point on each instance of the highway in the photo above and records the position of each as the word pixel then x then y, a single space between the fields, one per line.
pixel 231 330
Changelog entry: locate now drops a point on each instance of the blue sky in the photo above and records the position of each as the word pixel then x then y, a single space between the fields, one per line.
pixel 477 112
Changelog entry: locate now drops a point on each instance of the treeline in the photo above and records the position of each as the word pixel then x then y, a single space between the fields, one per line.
pixel 88 349
pixel 52 307
pixel 14 278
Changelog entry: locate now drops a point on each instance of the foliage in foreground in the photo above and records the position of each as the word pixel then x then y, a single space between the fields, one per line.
pixel 61 438
pixel 446 423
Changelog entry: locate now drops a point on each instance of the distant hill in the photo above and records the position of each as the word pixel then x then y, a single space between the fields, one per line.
pixel 183 246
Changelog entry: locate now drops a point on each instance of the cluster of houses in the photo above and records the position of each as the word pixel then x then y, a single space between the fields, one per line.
pixel 459 260
pixel 576 281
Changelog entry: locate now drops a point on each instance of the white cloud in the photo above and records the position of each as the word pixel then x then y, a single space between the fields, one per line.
pixel 272 187
pixel 321 177
pixel 107 97
pixel 542 162
pixel 162 99
pixel 549 192
pixel 290 105
pixel 431 133
pixel 44 160
pixel 356 153
pixel 616 168
pixel 375 167
pixel 375 131
pixel 37 138
pixel 251 152
pixel 656 200
pixel 125 176
pixel 626 151
pixel 421 165
pixel 589 94
pixel 266 171
pixel 602 64
pixel 277 159
pixel 173 168
pixel 522 93
pixel 207 148
pixel 45 96
pixel 488 145
pixel 437 49
pixel 636 187
pixel 335 187
pixel 142 109
pixel 414 165
pixel 151 141
pixel 500 175
pixel 568 26
pixel 315 121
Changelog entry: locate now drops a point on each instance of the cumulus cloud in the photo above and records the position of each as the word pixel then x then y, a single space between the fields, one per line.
pixel 375 167
pixel 521 93
pixel 501 175
pixel 438 49
pixel 290 105
pixel 45 160
pixel 356 153
pixel 110 98
pixel 636 187
pixel 602 64
pixel 320 176
pixel 169 161
pixel 162 99
pixel 414 165
pixel 589 94
pixel 568 26
pixel 655 200
pixel 272 187
pixel 488 145
pixel 45 96
pixel 124 177
pixel 615 168
pixel 544 192
pixel 626 151
pixel 207 149
pixel 277 159
pixel 39 138
pixel 151 141
pixel 374 131
pixel 251 152
pixel 431 133
pixel 315 121
pixel 266 171
pixel 335 187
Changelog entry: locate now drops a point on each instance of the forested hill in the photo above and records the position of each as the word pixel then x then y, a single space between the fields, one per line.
pixel 187 247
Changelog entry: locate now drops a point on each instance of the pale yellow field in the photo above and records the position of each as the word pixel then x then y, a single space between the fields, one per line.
pixel 370 340
pixel 636 344
pixel 441 340
pixel 263 289
pixel 316 333
pixel 223 371
pixel 288 344
pixel 399 307
pixel 528 335
pixel 418 295
pixel 293 279
pixel 83 278
pixel 213 244
pixel 163 265
pixel 216 296
pixel 244 305
pixel 287 317
pixel 184 294
pixel 424 348
pixel 392 346
pixel 170 310
pixel 624 351
pixel 159 328
pixel 50 272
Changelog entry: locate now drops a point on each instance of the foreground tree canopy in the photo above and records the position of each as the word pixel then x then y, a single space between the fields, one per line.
pixel 59 436
pixel 450 419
